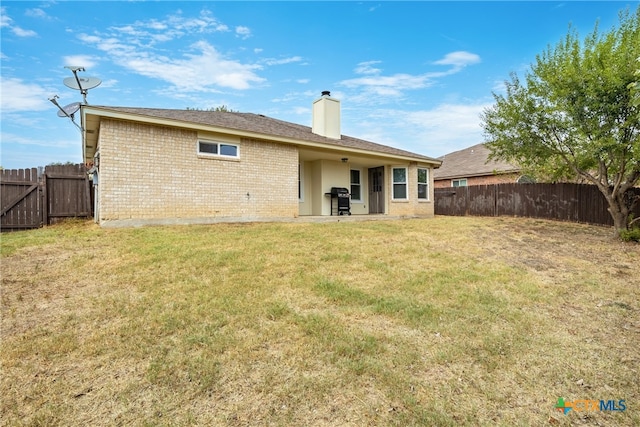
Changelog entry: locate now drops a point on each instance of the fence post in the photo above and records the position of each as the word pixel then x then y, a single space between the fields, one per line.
pixel 467 201
pixel 45 199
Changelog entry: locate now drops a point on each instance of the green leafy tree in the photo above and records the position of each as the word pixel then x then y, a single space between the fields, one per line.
pixel 576 114
pixel 634 87
pixel 67 163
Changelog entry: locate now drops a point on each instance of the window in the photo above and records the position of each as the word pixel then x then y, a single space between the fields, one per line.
pixel 355 185
pixel 211 148
pixel 206 148
pixel 399 183
pixel 423 184
pixel 459 182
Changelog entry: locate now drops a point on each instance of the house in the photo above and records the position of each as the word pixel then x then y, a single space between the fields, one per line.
pixel 159 166
pixel 472 166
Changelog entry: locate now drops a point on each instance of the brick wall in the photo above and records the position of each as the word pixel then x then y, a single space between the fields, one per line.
pixel 413 206
pixel 481 180
pixel 154 172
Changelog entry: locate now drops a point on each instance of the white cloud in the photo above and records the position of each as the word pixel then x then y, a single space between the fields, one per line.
pixel 200 68
pixel 302 111
pixel 144 34
pixel 7 22
pixel 114 47
pixel 19 96
pixel 37 13
pixel 177 26
pixel 459 117
pixel 20 32
pixel 271 61
pixel 243 32
pixel 205 23
pixel 374 83
pixel 448 127
pixel 129 30
pixel 366 68
pixel 459 59
pixel 195 72
pixel 434 132
pixel 85 61
pixel 499 87
pixel 111 83
pixel 388 85
pixel 89 39
pixel 155 25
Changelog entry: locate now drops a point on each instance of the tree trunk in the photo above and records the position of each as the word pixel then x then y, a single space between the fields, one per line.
pixel 618 209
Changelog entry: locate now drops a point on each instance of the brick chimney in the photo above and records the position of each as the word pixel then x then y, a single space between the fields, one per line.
pixel 326 116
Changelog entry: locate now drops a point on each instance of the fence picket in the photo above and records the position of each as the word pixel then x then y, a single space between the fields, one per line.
pixel 562 201
pixel 28 200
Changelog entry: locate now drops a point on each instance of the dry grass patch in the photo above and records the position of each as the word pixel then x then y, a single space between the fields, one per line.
pixel 447 321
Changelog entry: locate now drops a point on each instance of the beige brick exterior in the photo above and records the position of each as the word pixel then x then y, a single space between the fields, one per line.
pixel 154 172
pixel 480 180
pixel 412 206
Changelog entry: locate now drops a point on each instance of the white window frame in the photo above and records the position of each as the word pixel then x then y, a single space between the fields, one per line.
pixel 423 199
pixel 359 184
pixel 405 182
pixel 218 145
pixel 459 181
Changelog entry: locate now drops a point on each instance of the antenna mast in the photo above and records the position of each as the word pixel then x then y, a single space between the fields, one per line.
pixel 83 84
pixel 67 110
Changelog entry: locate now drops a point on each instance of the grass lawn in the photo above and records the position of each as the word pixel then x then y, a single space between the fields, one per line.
pixel 447 321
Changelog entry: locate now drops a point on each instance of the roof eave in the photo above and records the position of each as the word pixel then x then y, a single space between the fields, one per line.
pixel 105 112
pixel 475 175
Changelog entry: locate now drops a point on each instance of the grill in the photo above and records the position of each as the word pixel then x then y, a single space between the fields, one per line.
pixel 342 200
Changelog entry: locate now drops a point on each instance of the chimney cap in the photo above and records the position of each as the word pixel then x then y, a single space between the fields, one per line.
pixel 326 93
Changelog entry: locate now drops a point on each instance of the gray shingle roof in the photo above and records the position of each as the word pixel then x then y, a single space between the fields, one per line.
pixel 472 161
pixel 260 124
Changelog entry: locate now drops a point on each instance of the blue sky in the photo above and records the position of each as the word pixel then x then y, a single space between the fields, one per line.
pixel 413 75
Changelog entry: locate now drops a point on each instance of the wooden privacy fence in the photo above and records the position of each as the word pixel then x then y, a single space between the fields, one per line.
pixel 566 202
pixel 30 198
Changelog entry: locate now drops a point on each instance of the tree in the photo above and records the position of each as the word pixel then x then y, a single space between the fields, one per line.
pixel 220 108
pixel 634 87
pixel 67 163
pixel 576 114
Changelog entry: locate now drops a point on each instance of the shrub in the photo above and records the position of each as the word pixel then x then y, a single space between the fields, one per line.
pixel 632 235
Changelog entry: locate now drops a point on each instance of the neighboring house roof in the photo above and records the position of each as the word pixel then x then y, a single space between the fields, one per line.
pixel 246 124
pixel 470 162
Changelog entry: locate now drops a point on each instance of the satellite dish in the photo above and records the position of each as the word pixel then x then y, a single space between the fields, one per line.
pixel 69 110
pixel 82 83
